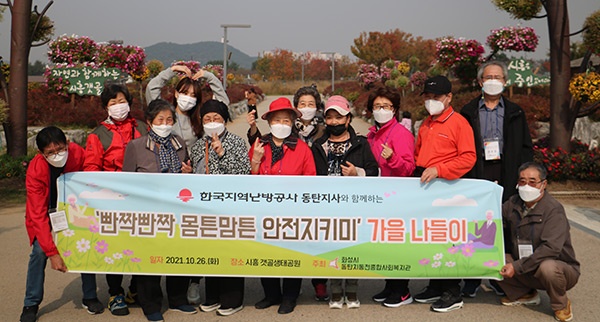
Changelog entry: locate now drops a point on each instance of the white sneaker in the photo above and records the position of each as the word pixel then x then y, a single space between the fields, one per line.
pixel 336 302
pixel 352 304
pixel 226 312
pixel 193 293
pixel 205 307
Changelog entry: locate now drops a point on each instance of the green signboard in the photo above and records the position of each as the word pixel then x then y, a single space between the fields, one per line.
pixel 86 80
pixel 520 74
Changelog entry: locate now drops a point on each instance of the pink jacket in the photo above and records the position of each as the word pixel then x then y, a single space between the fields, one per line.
pixel 399 139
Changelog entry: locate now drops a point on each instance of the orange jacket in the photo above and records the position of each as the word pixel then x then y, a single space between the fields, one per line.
pixel 446 143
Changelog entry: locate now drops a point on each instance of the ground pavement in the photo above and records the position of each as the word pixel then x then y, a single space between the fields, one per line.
pixel 62 300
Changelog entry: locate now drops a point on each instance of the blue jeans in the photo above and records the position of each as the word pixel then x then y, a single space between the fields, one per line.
pixel 34 288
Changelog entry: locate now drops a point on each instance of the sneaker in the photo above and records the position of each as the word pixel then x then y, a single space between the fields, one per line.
pixel 117 305
pixel 287 306
pixel 447 303
pixel 193 293
pixel 131 298
pixel 428 296
pixel 93 306
pixel 210 306
pixel 381 296
pixel 155 317
pixel 352 301
pixel 29 313
pixel 496 288
pixel 531 298
pixel 185 309
pixel 230 311
pixel 565 314
pixel 396 300
pixel 321 292
pixel 266 302
pixel 470 288
pixel 337 301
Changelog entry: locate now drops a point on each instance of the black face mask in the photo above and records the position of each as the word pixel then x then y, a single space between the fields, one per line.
pixel 336 130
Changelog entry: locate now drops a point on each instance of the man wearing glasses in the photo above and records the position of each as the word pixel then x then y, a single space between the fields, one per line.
pixel 540 254
pixel 502 139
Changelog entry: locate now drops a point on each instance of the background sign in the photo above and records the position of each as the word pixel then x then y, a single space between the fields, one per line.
pixel 86 80
pixel 520 74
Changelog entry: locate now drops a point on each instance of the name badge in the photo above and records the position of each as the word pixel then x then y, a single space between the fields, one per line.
pixel 525 250
pixel 58 220
pixel 492 149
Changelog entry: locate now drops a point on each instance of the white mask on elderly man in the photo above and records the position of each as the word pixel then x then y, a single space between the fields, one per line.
pixel 493 87
pixel 434 107
pixel 529 193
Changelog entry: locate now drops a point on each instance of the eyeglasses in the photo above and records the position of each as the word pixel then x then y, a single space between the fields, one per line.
pixel 383 106
pixel 531 183
pixel 61 149
pixel 488 77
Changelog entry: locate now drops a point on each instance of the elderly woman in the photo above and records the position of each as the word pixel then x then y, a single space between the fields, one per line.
pixel 281 153
pixel 159 151
pixel 220 152
pixel 309 126
pixel 340 152
pixel 394 147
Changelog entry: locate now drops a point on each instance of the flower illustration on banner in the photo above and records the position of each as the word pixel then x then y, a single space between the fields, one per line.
pixel 468 250
pixel 438 256
pixel 424 261
pixel 94 228
pixel 127 252
pixel 491 263
pixel 450 264
pixel 436 264
pixel 117 256
pixel 101 247
pixel 67 253
pixel 453 249
pixel 109 260
pixel 83 245
pixel 68 233
pixel 136 259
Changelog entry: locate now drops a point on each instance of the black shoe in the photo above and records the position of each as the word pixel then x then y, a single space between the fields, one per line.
pixel 470 288
pixel 428 296
pixel 496 288
pixel 396 300
pixel 287 306
pixel 381 296
pixel 29 313
pixel 266 302
pixel 447 303
pixel 93 306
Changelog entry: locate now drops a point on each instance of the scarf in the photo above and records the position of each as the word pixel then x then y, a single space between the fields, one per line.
pixel 167 155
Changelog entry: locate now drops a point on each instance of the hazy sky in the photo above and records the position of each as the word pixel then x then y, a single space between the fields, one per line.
pixel 308 25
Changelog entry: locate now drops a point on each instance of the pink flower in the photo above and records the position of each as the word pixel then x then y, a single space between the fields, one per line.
pixel 67 253
pixel 94 228
pixel 467 250
pixel 491 263
pixel 136 259
pixel 424 261
pixel 127 252
pixel 101 247
pixel 453 249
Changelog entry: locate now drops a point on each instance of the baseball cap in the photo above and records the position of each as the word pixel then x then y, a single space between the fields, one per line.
pixel 437 85
pixel 338 103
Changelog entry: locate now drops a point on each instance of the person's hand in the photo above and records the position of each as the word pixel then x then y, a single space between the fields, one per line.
pixel 216 145
pixel 508 271
pixel 259 151
pixel 182 69
pixel 429 174
pixel 198 75
pixel 251 119
pixel 57 263
pixel 186 167
pixel 387 152
pixel 349 170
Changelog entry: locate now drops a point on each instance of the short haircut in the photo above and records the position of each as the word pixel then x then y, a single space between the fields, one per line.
pixel 390 93
pixel 48 135
pixel 309 90
pixel 492 63
pixel 157 106
pixel 111 90
pixel 534 165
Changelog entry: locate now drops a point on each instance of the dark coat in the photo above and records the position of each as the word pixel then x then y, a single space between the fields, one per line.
pixel 359 154
pixel 517 149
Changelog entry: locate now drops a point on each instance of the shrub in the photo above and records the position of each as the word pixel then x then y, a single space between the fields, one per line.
pixel 581 164
pixel 14 167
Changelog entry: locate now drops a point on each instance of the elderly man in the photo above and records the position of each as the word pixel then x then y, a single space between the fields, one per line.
pixel 541 255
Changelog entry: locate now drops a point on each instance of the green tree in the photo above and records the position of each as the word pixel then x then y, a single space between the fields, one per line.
pixel 36 69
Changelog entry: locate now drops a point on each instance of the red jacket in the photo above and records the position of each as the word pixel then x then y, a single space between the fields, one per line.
pixel 37 183
pixel 297 159
pixel 111 159
pixel 446 143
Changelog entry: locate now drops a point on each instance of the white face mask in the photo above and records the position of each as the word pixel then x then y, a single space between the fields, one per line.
pixel 383 116
pixel 434 107
pixel 213 128
pixel 529 193
pixel 281 131
pixel 118 112
pixel 308 113
pixel 185 102
pixel 493 87
pixel 162 130
pixel 58 160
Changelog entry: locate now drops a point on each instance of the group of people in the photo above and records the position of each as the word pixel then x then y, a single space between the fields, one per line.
pixel 488 140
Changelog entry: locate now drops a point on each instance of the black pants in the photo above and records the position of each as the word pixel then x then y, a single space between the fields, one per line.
pixel 397 286
pixel 150 294
pixel 289 290
pixel 229 291
pixel 316 281
pixel 114 284
pixel 451 286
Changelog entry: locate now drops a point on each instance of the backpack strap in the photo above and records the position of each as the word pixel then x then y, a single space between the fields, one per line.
pixel 104 135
